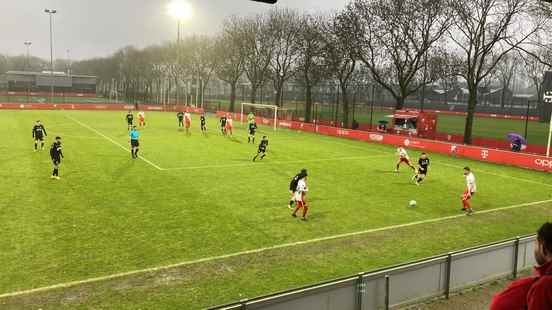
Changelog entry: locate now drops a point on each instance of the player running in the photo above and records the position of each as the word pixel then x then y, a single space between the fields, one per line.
pixel 141 119
pixel 293 186
pixel 129 119
pixel 300 194
pixel 203 123
pixel 222 123
pixel 180 117
pixel 252 131
pixel 56 155
pixel 134 143
pixel 403 158
pixel 262 148
pixel 471 188
pixel 39 132
pixel 229 125
pixel 187 121
pixel 423 165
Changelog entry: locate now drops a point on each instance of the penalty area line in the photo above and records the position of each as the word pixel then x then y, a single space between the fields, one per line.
pixel 256 251
pixel 112 141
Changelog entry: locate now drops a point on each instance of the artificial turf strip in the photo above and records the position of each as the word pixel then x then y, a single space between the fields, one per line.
pixel 110 214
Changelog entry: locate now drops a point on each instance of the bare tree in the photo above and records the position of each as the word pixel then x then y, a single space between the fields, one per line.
pixel 284 26
pixel 484 32
pixel 339 58
pixel 311 69
pixel 505 71
pixel 229 59
pixel 393 38
pixel 535 67
pixel 256 42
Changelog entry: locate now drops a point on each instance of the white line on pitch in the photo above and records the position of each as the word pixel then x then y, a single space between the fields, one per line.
pixel 497 174
pixel 250 164
pixel 112 141
pixel 259 250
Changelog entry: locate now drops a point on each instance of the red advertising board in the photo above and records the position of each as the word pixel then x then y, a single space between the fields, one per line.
pixel 98 106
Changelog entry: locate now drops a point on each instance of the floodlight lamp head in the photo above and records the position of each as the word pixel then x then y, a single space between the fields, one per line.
pixel 179 10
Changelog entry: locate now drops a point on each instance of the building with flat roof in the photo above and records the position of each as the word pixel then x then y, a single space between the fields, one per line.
pixel 22 81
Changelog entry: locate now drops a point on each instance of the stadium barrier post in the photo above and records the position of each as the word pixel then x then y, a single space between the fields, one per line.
pixel 516 257
pixel 387 292
pixel 361 289
pixel 241 114
pixel 447 278
pixel 549 137
pixel 275 116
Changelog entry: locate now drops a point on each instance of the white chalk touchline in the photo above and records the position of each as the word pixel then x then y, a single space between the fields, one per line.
pixel 259 250
pixel 250 164
pixel 112 141
pixel 497 175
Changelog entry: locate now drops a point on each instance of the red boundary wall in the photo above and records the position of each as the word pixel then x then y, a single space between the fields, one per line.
pixel 529 161
pixel 97 106
pixel 46 94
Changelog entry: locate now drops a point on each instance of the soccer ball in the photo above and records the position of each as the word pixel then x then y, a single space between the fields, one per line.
pixel 412 203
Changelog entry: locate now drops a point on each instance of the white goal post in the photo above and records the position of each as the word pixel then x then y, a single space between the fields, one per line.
pixel 260 106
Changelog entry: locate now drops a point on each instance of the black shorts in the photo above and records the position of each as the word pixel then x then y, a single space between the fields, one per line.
pixel 203 127
pixel 251 132
pixel 262 150
pixel 129 122
pixel 56 161
pixel 39 138
pixel 422 171
pixel 134 143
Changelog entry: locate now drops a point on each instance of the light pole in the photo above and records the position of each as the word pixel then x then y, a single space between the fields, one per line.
pixel 51 12
pixel 180 11
pixel 27 63
pixel 28 45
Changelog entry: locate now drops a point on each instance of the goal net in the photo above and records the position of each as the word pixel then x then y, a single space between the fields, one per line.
pixel 264 113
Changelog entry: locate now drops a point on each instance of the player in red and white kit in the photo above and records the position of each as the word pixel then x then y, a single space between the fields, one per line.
pixel 141 119
pixel 470 190
pixel 187 121
pixel 299 198
pixel 403 158
pixel 229 125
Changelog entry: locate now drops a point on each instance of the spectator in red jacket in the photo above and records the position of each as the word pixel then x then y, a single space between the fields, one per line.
pixel 533 293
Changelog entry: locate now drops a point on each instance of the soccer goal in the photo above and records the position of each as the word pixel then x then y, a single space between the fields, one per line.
pixel 263 110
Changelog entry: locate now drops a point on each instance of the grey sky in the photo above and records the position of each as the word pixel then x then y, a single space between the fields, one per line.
pixel 89 28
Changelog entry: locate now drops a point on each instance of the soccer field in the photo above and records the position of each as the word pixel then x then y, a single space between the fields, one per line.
pixel 199 202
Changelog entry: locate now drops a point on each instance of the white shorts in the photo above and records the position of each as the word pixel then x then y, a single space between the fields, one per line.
pixel 298 196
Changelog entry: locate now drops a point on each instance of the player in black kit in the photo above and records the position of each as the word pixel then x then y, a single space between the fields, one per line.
pixel 423 165
pixel 39 132
pixel 293 186
pixel 223 125
pixel 203 124
pixel 262 148
pixel 180 117
pixel 56 155
pixel 252 130
pixel 129 119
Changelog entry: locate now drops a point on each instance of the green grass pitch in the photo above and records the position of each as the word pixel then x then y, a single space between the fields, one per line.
pixel 201 198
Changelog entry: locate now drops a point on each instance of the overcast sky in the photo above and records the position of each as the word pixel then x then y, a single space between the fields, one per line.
pixel 89 28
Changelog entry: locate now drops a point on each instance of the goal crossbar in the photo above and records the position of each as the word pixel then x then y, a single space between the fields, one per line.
pixel 267 106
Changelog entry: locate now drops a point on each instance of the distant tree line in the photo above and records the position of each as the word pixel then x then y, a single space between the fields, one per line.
pixel 400 45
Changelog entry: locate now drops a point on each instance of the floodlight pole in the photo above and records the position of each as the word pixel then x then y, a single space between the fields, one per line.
pixel 50 12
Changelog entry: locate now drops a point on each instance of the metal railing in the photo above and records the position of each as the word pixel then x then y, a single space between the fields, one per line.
pixel 406 283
